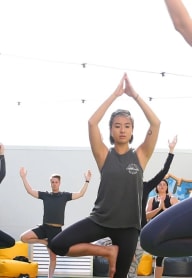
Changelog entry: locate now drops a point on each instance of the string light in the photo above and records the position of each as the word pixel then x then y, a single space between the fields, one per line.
pixel 84 65
pixel 163 74
pixel 83 101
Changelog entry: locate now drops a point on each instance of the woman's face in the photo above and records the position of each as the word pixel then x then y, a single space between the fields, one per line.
pixel 121 129
pixel 162 187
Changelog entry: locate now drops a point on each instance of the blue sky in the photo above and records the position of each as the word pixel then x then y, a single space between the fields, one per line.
pixel 43 46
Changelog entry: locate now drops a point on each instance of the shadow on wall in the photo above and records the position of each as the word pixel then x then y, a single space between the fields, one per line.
pixel 179 187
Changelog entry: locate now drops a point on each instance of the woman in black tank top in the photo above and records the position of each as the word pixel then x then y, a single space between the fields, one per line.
pixel 156 205
pixel 118 206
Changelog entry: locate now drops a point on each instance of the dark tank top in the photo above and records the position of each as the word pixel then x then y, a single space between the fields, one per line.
pixel 155 203
pixel 118 202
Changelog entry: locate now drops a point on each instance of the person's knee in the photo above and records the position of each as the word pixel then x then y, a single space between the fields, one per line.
pixel 23 238
pixel 10 242
pixel 147 241
pixel 58 248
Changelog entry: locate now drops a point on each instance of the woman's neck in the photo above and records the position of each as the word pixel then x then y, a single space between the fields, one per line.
pixel 121 149
pixel 162 194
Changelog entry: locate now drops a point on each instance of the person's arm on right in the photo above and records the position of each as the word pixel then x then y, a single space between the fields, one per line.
pixel 28 188
pixel 180 18
pixel 152 183
pixel 81 193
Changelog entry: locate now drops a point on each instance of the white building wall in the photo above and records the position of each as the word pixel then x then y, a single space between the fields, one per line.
pixel 20 211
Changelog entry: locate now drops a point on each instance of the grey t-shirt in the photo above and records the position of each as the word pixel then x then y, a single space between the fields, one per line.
pixel 54 206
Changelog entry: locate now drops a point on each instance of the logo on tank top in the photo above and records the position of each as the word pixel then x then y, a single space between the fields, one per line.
pixel 132 169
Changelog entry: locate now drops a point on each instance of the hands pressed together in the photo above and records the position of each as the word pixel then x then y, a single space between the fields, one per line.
pixel 161 203
pixel 125 87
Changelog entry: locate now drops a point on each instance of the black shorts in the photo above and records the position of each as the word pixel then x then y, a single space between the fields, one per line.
pixel 45 231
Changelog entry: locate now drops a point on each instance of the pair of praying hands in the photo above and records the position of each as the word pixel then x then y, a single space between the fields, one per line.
pixel 125 87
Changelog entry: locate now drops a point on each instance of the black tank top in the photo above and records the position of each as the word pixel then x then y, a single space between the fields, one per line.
pixel 155 203
pixel 118 203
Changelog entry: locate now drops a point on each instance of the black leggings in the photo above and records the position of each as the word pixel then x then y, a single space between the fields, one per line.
pixel 6 240
pixel 159 261
pixel 169 234
pixel 86 231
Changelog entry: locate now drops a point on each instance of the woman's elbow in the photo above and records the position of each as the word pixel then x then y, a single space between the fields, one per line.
pixel 158 123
